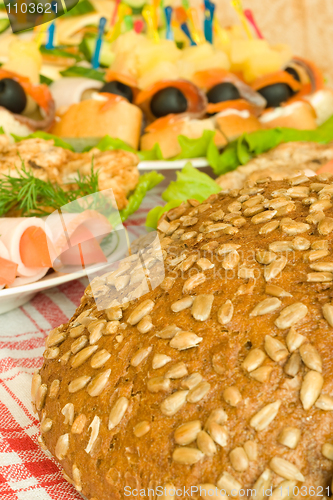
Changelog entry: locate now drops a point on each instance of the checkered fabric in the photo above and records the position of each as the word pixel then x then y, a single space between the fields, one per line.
pixel 26 472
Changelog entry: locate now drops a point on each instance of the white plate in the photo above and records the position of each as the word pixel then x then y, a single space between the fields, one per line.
pixel 172 164
pixel 10 298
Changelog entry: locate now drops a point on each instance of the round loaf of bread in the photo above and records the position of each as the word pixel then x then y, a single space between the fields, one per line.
pixel 203 365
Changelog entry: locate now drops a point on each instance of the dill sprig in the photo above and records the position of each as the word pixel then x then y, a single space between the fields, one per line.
pixel 34 197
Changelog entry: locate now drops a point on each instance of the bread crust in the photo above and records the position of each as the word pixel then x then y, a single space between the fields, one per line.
pixel 299 115
pixel 234 302
pixel 94 118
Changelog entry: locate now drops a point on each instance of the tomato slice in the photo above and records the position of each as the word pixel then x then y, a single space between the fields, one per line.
pixel 328 167
pixel 7 271
pixel 84 249
pixel 34 250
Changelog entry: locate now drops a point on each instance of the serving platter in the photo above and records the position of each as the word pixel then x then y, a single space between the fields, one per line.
pixel 172 164
pixel 11 298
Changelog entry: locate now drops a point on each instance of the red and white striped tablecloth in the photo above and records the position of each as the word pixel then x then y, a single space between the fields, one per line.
pixel 26 472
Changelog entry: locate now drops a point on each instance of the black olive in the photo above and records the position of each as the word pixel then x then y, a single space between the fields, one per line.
pixel 12 95
pixel 168 100
pixel 293 73
pixel 223 92
pixel 118 88
pixel 276 94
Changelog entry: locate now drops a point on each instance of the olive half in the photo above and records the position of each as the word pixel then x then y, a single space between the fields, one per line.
pixel 118 88
pixel 12 95
pixel 223 92
pixel 293 73
pixel 168 100
pixel 276 94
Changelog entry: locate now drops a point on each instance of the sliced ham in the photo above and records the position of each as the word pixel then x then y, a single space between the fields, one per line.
pixel 12 230
pixel 8 268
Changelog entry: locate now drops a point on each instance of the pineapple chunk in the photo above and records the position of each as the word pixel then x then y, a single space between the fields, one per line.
pixel 255 67
pixel 165 70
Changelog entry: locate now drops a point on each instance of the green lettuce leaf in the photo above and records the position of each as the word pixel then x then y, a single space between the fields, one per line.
pixel 44 135
pixel 195 148
pixel 190 183
pixel 2 131
pixel 59 52
pixel 155 213
pixel 247 146
pixel 109 143
pixel 95 74
pixel 82 7
pixel 146 183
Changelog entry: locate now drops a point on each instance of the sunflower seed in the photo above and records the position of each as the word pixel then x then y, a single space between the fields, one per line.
pixel 231 260
pixel 163 225
pixel 294 340
pixel 322 266
pixel 168 332
pixel 100 358
pixel 293 365
pixel 41 396
pixel 78 383
pixel 79 344
pixel 185 340
pixel 289 436
pixel 320 206
pixel 315 218
pixel 325 402
pixel 275 268
pixel 227 248
pixel 202 307
pixel 311 388
pixel 280 246
pixel 35 385
pixel 193 282
pixel 176 371
pixel 205 264
pixel 217 416
pixel 96 329
pixel 269 227
pixel 262 374
pixel 77 331
pixel 291 315
pixel 141 428
pixel 254 200
pixel 94 426
pixel 62 446
pixel 251 449
pixel 325 226
pixel 51 353
pixel 188 221
pixel 182 304
pixel 78 424
pixel 187 456
pixel 265 307
pixel 111 327
pixel 46 425
pixel 276 291
pixel 328 313
pixel 175 213
pixel 253 360
pixel 239 459
pixel 225 313
pixel 77 483
pixel 292 228
pixel 323 277
pixel 275 349
pixel 264 257
pixel 158 384
pixel 167 283
pixel 82 356
pixel 173 403
pixel 141 311
pixel 81 316
pixel 282 492
pixel 160 360
pixel 285 469
pixel 218 215
pixel 246 288
pixel 232 395
pixel 98 383
pixel 317 186
pixel 300 243
pixel 187 433
pixel 229 484
pixel 198 392
pixel 311 357
pixel 117 412
pixel 253 211
pixel 140 356
pixel 192 381
pixel 298 192
pixel 210 247
pixel 217 432
pixel 265 416
pixel 261 485
pixel 188 235
pixel 263 217
pixel 55 338
pixel 54 389
pixel 212 228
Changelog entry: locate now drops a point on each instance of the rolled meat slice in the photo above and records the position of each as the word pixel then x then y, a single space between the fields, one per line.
pixel 67 91
pixel 8 268
pixel 212 81
pixel 26 280
pixel 27 245
pixel 76 237
pixel 170 97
